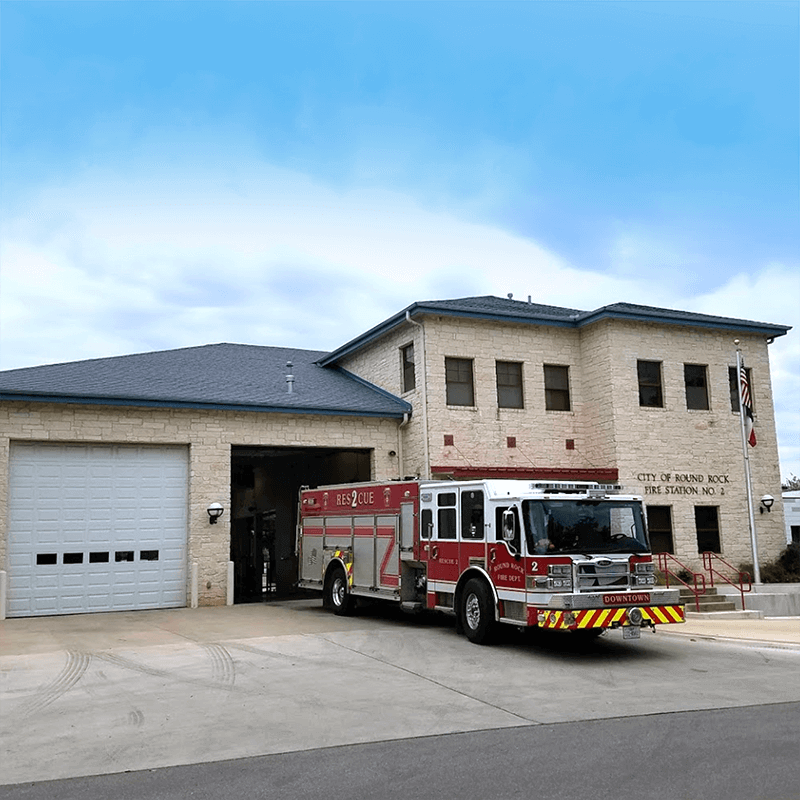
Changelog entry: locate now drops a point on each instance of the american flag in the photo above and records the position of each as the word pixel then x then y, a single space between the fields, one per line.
pixel 747 406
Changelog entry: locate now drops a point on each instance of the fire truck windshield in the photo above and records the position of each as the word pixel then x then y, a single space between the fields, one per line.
pixel 583 526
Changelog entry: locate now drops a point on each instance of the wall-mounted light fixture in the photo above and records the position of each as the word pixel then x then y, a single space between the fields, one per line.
pixel 215 511
pixel 766 503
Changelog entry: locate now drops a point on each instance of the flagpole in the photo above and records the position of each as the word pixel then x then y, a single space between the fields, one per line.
pixel 747 480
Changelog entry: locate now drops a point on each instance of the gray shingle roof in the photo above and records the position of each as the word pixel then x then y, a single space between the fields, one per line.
pixel 500 309
pixel 244 377
pixel 249 377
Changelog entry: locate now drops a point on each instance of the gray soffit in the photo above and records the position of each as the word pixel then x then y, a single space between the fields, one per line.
pixel 220 376
pixel 498 309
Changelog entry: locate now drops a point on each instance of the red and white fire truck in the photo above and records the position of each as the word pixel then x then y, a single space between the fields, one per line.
pixel 566 556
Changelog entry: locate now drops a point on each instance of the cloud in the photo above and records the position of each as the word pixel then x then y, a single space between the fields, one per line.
pixel 132 260
pixel 769 294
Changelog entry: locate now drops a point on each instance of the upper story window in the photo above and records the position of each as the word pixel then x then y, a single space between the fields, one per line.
pixel 407 362
pixel 556 388
pixel 733 385
pixel 696 381
pixel 509 384
pixel 651 393
pixel 460 389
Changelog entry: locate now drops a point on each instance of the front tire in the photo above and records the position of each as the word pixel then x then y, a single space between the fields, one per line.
pixel 337 593
pixel 477 612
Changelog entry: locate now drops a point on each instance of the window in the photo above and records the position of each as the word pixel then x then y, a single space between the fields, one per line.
pixel 706 519
pixel 733 385
pixel 458 380
pixel 509 384
pixel 795 531
pixel 407 359
pixel 651 394
pixel 556 388
pixel 472 514
pixel 659 526
pixel 446 518
pixel 426 524
pixel 694 376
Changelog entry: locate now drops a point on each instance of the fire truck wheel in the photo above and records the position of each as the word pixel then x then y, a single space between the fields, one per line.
pixel 477 612
pixel 337 594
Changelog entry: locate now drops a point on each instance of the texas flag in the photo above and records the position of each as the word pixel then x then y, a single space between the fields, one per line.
pixel 747 406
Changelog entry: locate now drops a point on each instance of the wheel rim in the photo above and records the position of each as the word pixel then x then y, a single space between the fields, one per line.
pixel 338 592
pixel 472 611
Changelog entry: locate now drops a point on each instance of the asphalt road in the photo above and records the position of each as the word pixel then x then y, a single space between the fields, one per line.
pixel 291 701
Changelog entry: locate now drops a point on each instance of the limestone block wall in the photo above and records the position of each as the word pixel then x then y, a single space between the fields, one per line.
pixel 672 456
pixel 684 458
pixel 209 436
pixel 480 433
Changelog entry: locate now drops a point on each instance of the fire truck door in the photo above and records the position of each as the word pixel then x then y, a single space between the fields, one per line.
pixel 473 529
pixel 506 567
pixel 439 539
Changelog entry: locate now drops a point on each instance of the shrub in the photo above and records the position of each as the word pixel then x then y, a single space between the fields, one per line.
pixel 784 569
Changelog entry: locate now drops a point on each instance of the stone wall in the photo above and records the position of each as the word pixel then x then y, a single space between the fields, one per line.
pixel 672 456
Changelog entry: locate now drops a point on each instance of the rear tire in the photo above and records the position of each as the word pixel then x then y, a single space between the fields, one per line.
pixel 477 612
pixel 337 593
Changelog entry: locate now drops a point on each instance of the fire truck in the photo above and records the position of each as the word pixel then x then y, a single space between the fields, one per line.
pixel 562 556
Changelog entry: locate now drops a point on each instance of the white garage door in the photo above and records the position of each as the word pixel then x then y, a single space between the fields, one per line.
pixel 96 528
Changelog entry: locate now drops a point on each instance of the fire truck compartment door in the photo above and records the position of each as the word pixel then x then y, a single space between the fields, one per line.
pixel 406 528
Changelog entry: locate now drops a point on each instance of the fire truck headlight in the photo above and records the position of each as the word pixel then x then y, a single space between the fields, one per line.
pixel 559 576
pixel 635 616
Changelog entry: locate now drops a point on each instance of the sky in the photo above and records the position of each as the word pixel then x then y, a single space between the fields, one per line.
pixel 293 173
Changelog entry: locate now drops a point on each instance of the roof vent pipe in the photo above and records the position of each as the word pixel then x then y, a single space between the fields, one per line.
pixel 289 378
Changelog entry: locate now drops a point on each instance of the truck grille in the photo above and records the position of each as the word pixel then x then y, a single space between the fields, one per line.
pixel 602 575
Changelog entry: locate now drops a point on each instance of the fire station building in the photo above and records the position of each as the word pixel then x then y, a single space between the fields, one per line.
pixel 113 471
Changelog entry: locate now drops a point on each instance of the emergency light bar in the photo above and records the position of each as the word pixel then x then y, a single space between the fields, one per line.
pixel 586 487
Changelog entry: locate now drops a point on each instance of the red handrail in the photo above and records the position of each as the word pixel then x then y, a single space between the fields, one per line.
pixel 741 577
pixel 664 560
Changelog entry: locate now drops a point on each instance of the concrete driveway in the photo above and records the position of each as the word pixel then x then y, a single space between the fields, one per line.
pixel 106 693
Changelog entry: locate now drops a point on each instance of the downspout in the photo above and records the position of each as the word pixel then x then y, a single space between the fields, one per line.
pixel 426 448
pixel 400 452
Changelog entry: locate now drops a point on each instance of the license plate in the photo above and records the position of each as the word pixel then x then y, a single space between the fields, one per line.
pixel 631 633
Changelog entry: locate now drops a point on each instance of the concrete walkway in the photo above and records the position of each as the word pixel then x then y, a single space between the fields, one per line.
pixel 774 631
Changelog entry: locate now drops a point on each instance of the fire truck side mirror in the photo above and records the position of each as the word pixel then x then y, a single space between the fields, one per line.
pixel 509 526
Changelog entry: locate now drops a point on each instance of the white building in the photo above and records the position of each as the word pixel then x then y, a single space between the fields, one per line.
pixel 791 511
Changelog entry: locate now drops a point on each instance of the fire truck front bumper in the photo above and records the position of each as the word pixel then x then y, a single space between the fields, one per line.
pixel 610 610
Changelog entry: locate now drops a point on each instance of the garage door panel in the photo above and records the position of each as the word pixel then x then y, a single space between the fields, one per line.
pixel 96 528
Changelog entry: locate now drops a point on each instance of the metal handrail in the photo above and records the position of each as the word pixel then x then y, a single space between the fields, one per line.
pixel 741 577
pixel 663 566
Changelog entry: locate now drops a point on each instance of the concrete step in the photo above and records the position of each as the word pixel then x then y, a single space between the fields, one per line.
pixel 723 615
pixel 710 602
